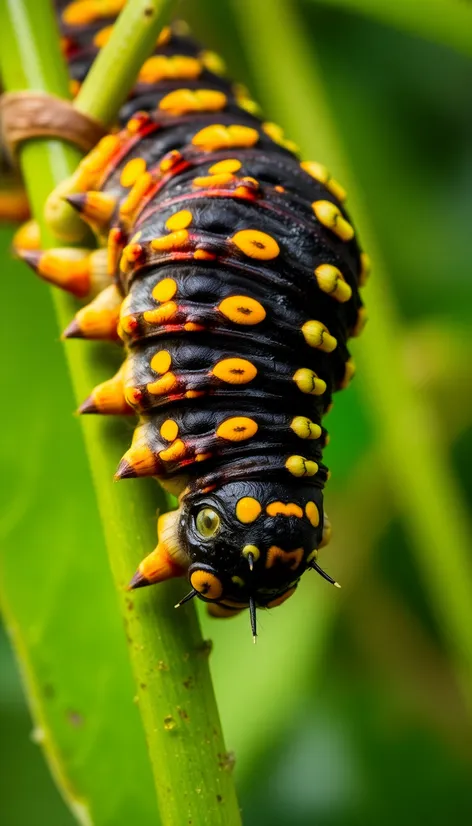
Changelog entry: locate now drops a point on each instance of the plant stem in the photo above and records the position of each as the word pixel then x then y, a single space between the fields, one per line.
pixel 170 660
pixel 414 453
pixel 442 21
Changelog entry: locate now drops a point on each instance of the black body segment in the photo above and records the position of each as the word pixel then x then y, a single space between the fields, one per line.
pixel 235 274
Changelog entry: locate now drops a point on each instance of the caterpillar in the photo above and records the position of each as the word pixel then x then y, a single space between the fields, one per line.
pixel 230 272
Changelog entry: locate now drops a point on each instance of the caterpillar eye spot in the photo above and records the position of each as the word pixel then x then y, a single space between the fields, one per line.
pixel 207 523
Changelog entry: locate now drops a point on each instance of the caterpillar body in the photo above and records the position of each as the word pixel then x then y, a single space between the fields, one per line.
pixel 230 272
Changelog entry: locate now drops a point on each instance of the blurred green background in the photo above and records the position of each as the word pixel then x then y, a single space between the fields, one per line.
pixel 348 710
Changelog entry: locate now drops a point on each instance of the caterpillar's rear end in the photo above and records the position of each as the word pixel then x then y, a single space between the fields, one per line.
pixel 230 272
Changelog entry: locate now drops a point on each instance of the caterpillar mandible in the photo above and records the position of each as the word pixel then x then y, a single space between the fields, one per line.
pixel 230 272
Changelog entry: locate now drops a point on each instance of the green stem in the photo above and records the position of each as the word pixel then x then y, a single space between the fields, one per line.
pixel 414 453
pixel 442 21
pixel 113 73
pixel 168 655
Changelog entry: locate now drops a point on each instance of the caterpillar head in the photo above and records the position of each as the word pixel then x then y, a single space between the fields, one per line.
pixel 249 542
pixel 244 544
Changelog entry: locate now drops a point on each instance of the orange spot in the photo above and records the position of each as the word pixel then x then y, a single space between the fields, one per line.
pixel 180 220
pixel 204 255
pixel 247 510
pixel 242 310
pixel 217 136
pixel 312 513
pixel 281 509
pixel 229 165
pixel 256 244
pixel 237 429
pixel 163 385
pixel 214 181
pixel 164 290
pixel 161 314
pixel 132 171
pixel 183 101
pixel 170 242
pixel 235 371
pixel 169 430
pixel 161 361
pixel 206 584
pixel 174 67
pixel 290 558
pixel 174 452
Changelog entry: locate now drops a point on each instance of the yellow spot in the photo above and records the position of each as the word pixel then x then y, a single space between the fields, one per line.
pixel 317 335
pixel 251 549
pixel 163 385
pixel 217 136
pixel 164 290
pixel 365 269
pixel 169 161
pixel 305 428
pixel 320 173
pixel 238 581
pixel 282 509
pixel 237 429
pixel 136 195
pixel 174 452
pixel 202 457
pixel 256 244
pixel 276 133
pixel 83 12
pixel 299 466
pixel 290 558
pixel 349 372
pixel 179 220
pixel 204 255
pixel 214 181
pixel 194 394
pixel 170 242
pixel 191 327
pixel 162 314
pixel 213 62
pixel 169 430
pixel 308 382
pixel 331 217
pixel 312 513
pixel 161 361
pixel 331 281
pixel 361 321
pixel 274 603
pixel 183 101
pixel 248 509
pixel 242 310
pixel 229 165
pixel 311 556
pixel 234 371
pixel 244 100
pixel 206 584
pixel 132 171
pixel 175 67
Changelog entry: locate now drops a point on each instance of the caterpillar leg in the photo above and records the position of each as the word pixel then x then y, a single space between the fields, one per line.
pixel 76 270
pixel 167 560
pixel 99 319
pixel 108 398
